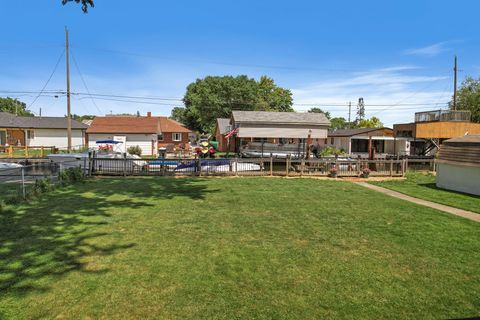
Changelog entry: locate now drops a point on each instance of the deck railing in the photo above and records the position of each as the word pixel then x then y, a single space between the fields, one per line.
pixel 245 167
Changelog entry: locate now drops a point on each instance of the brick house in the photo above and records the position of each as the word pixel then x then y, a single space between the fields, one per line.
pixel 147 132
pixel 222 128
pixel 173 134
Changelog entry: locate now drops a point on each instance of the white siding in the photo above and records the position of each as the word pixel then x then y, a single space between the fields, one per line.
pixel 144 141
pixel 458 178
pixel 282 132
pixel 56 138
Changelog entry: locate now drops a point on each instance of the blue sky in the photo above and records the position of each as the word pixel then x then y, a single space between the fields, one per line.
pixel 397 55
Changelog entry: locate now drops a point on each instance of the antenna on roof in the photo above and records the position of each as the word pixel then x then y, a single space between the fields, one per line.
pixel 40 112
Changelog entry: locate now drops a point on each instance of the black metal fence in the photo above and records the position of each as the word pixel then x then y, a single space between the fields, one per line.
pixel 245 167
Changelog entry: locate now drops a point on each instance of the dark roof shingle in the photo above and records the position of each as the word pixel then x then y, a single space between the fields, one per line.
pixel 8 120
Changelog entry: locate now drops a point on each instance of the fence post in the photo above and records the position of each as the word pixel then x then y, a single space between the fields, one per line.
pixel 26 151
pixel 271 165
pixel 125 164
pixel 236 166
pixel 24 194
pixel 90 164
pixel 302 165
pixel 41 152
pixel 286 164
pixel 391 167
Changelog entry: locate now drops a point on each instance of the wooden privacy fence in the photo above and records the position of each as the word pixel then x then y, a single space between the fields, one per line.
pixel 244 167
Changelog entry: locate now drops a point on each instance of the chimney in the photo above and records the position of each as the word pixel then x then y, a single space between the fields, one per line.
pixel 149 114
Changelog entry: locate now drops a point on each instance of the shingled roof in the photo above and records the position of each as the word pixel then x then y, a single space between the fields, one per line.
pixel 265 117
pixel 124 124
pixel 463 150
pixel 8 120
pixel 134 124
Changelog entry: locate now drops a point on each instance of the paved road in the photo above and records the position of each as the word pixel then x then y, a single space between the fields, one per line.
pixel 458 212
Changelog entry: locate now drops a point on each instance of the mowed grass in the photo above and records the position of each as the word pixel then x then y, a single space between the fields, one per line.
pixel 423 186
pixel 231 248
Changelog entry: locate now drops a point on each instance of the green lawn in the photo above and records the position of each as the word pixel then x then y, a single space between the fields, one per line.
pixel 422 185
pixel 230 248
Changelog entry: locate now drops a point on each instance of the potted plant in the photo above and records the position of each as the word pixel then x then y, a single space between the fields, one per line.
pixel 366 172
pixel 333 172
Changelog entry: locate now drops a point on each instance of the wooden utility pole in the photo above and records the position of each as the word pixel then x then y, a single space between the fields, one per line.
pixel 349 113
pixel 69 118
pixel 455 84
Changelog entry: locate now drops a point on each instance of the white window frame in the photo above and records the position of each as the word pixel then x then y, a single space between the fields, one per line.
pixel 179 136
pixel 30 134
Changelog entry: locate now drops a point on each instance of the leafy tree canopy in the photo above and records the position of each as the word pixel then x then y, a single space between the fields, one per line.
pixel 338 123
pixel 468 97
pixel 85 4
pixel 373 122
pixel 14 106
pixel 215 97
pixel 319 110
pixel 83 117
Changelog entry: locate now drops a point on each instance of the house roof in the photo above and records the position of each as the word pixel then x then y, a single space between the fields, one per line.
pixel 353 132
pixel 133 124
pixel 170 125
pixel 8 120
pixel 463 150
pixel 471 139
pixel 223 125
pixel 124 124
pixel 280 117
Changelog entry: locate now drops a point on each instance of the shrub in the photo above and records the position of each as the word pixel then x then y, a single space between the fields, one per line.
pixel 331 151
pixel 71 175
pixel 135 150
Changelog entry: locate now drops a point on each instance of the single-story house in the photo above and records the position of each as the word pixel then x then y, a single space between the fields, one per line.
pixel 147 132
pixel 39 131
pixel 358 141
pixel 458 164
pixel 223 127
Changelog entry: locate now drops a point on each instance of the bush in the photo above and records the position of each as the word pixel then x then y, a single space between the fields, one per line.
pixel 331 151
pixel 135 150
pixel 71 175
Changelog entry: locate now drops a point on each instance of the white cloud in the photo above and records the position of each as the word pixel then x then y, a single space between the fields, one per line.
pixel 380 89
pixel 429 51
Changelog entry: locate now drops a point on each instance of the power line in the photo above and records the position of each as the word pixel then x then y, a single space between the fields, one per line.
pixel 84 83
pixel 48 81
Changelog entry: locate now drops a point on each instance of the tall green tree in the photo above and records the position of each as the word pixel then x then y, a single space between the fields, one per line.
pixel 373 122
pixel 338 123
pixel 320 110
pixel 14 106
pixel 85 4
pixel 178 114
pixel 468 97
pixel 216 97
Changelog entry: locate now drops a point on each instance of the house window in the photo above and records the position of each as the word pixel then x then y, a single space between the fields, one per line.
pixel 331 141
pixel 176 136
pixel 30 134
pixel 160 137
pixel 326 140
pixel 3 137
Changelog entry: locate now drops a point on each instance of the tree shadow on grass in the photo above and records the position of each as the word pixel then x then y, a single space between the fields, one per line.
pixel 55 234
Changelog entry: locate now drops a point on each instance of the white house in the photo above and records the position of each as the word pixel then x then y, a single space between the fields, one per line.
pixel 358 141
pixel 458 164
pixel 39 131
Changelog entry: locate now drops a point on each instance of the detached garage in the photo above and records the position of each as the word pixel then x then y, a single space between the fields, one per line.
pixel 458 164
